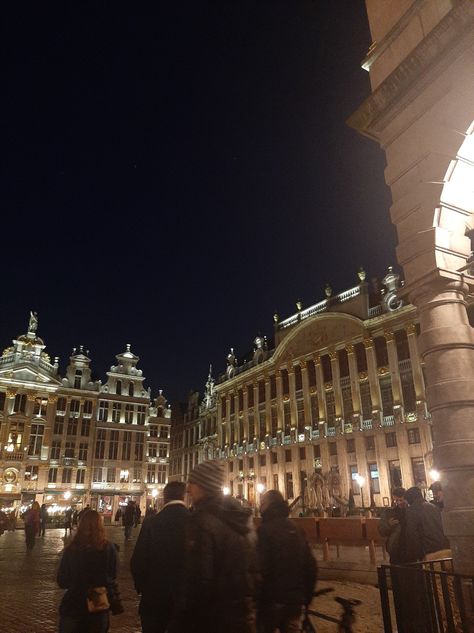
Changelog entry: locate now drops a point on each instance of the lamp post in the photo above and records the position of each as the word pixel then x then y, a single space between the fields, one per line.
pixel 361 481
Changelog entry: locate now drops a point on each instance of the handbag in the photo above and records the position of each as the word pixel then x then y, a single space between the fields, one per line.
pixel 97 600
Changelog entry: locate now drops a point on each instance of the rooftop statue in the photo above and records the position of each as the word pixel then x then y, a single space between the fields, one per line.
pixel 33 324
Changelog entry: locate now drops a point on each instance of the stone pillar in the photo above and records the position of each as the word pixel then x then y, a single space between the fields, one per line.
pixel 246 437
pixel 279 401
pixel 373 381
pixel 448 353
pixel 256 414
pixel 306 395
pixel 292 394
pixel 394 370
pixel 237 438
pixel 268 408
pixel 336 385
pixel 320 386
pixel 416 371
pixel 219 429
pixel 355 387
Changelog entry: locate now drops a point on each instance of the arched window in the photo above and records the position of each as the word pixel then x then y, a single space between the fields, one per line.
pixel 131 389
pixel 119 388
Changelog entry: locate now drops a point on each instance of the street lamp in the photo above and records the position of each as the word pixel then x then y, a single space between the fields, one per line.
pixel 67 495
pixel 154 493
pixel 226 490
pixel 435 474
pixel 260 488
pixel 360 481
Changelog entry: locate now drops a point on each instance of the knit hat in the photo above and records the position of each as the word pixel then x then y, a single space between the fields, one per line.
pixel 209 476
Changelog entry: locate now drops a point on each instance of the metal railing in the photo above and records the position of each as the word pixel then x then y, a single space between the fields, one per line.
pixel 426 597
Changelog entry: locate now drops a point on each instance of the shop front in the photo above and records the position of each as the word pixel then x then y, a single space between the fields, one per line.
pixel 107 503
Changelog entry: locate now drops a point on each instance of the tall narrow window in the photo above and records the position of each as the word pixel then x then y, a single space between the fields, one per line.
pixel 139 447
pixel 36 439
pixel 131 389
pixel 113 444
pixel 100 444
pixel 118 391
pixel 77 379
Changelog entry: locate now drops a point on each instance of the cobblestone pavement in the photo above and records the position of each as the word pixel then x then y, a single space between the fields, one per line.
pixel 29 596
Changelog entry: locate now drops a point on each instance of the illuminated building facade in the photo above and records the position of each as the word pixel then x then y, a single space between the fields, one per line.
pixel 75 440
pixel 339 394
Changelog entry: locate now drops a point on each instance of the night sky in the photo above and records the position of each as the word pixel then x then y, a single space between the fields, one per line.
pixel 173 174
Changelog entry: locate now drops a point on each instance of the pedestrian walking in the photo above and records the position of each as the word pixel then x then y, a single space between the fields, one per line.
pixel 88 570
pixel 160 546
pixel 392 526
pixel 118 515
pixel 68 521
pixel 43 518
pixel 287 566
pixel 138 516
pixel 220 571
pixel 32 524
pixel 128 519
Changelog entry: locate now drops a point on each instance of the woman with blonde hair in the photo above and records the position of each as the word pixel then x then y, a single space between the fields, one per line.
pixel 88 571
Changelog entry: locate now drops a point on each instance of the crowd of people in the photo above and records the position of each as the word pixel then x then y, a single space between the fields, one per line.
pixel 202 570
pixel 206 569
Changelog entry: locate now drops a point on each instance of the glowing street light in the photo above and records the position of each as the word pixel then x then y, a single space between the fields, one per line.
pixel 154 493
pixel 67 495
pixel 360 482
pixel 260 488
pixel 435 474
pixel 226 490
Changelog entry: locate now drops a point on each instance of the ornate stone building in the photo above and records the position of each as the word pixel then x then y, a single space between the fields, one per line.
pixel 73 440
pixel 335 401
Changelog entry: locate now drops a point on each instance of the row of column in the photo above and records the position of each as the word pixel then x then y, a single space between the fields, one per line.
pixel 224 427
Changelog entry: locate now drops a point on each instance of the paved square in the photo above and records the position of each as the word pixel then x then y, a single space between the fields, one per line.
pixel 29 596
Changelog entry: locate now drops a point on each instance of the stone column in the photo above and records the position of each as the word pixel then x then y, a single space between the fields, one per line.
pixel 416 371
pixel 237 438
pixel 355 387
pixel 246 437
pixel 292 394
pixel 256 414
pixel 306 395
pixel 373 381
pixel 268 408
pixel 447 348
pixel 320 386
pixel 336 385
pixel 220 429
pixel 279 403
pixel 394 370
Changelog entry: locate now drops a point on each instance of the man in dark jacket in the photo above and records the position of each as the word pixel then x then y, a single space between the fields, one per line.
pixel 287 565
pixel 425 539
pixel 158 559
pixel 128 519
pixel 392 525
pixel 220 575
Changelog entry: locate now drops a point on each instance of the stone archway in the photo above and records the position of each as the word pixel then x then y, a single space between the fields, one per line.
pixel 421 111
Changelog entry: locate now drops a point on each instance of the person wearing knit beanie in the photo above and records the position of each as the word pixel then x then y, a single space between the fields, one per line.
pixel 208 477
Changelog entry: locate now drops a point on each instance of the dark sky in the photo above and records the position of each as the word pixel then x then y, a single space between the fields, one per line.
pixel 173 174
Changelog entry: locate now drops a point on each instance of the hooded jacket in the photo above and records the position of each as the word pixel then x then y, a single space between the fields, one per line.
pixel 287 564
pixel 220 576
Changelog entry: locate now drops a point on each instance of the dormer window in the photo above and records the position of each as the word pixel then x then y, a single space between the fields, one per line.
pixel 119 388
pixel 131 389
pixel 77 379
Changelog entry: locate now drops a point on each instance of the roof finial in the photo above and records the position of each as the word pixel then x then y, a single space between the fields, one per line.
pixel 128 347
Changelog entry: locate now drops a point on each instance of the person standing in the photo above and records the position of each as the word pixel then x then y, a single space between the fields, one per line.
pixel 437 492
pixel 425 539
pixel 287 566
pixel 32 524
pixel 68 521
pixel 220 573
pixel 160 546
pixel 392 526
pixel 89 562
pixel 128 519
pixel 138 516
pixel 43 518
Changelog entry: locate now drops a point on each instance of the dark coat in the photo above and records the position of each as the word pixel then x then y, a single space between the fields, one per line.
pixel 221 569
pixel 287 565
pixel 128 515
pixel 424 530
pixel 158 558
pixel 82 569
pixel 395 534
